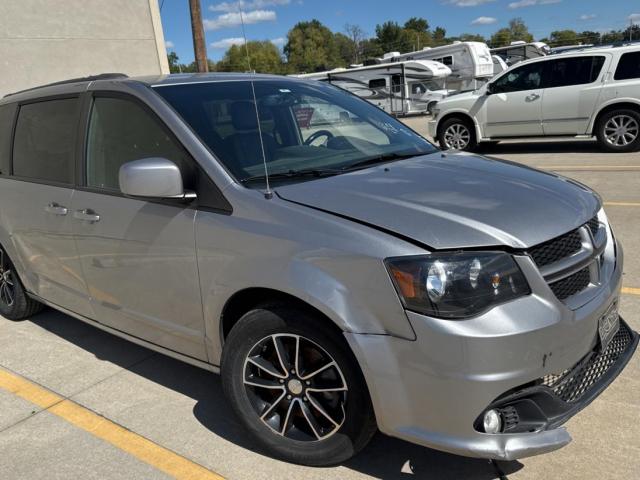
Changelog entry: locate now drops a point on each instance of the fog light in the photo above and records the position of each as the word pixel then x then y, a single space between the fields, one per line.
pixel 492 421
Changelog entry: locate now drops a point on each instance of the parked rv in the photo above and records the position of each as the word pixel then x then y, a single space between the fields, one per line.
pixel 470 63
pixel 400 88
pixel 499 65
pixel 519 51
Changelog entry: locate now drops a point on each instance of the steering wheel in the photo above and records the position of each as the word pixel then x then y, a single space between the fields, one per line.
pixel 320 133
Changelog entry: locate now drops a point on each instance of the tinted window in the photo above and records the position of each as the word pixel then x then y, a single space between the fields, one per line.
pixel 527 77
pixel 6 124
pixel 44 144
pixel 572 71
pixel 377 83
pixel 121 131
pixel 629 66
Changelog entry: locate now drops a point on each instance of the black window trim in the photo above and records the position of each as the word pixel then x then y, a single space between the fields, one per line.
pixel 30 101
pixel 224 207
pixel 620 58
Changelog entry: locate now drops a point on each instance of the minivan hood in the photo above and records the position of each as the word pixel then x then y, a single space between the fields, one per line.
pixel 455 200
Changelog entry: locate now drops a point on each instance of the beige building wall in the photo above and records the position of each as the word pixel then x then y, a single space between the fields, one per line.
pixel 43 41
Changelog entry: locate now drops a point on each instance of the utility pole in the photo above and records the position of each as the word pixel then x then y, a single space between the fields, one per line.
pixel 199 47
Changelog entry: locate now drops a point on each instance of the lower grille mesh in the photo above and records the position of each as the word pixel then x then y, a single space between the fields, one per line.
pixel 571 285
pixel 572 384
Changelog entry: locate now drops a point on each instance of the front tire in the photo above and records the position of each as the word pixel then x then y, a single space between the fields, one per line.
pixel 15 304
pixel 296 387
pixel 618 131
pixel 457 133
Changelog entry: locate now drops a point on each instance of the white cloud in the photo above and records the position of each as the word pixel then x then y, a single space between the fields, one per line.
pixel 169 44
pixel 484 21
pixel 634 17
pixel 531 3
pixel 586 17
pixel 247 5
pixel 234 19
pixel 227 42
pixel 278 42
pixel 467 3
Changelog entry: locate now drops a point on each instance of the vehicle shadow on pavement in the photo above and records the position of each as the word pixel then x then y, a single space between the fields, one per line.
pixel 533 147
pixel 384 457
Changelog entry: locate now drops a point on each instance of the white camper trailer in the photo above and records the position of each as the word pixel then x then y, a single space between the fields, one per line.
pixel 470 63
pixel 400 88
pixel 519 51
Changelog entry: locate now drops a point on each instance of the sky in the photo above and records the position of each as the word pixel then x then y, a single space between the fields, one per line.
pixel 272 19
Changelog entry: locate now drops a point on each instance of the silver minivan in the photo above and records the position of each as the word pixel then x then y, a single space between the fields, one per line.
pixel 341 273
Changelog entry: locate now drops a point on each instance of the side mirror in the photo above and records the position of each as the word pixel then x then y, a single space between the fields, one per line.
pixel 152 178
pixel 490 90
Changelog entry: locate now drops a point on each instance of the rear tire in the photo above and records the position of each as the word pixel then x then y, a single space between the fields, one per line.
pixel 457 133
pixel 272 362
pixel 618 131
pixel 15 304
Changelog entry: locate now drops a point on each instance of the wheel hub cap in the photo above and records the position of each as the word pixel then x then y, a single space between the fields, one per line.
pixel 295 386
pixel 457 136
pixel 621 130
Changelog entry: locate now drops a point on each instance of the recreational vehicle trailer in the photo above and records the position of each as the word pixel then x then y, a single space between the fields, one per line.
pixel 519 51
pixel 399 88
pixel 499 65
pixel 470 63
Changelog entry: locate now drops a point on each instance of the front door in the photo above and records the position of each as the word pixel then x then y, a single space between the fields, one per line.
pixel 515 107
pixel 138 256
pixel 397 94
pixel 572 90
pixel 37 202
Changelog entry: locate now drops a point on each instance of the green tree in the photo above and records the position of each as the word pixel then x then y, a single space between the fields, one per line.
pixel 439 36
pixel 614 36
pixel 347 50
pixel 471 37
pixel 589 38
pixel 393 38
pixel 519 31
pixel 311 47
pixel 501 38
pixel 561 38
pixel 370 48
pixel 417 24
pixel 173 60
pixel 264 56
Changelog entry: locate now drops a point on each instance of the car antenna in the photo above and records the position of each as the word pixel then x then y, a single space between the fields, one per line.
pixel 268 194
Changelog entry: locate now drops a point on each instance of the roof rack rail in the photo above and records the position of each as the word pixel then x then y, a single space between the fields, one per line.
pixel 90 78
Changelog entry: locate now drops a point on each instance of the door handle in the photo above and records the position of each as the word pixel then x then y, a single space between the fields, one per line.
pixel 55 209
pixel 533 97
pixel 86 215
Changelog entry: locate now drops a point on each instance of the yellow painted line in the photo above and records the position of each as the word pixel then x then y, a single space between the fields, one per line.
pixel 622 204
pixel 631 291
pixel 141 448
pixel 603 168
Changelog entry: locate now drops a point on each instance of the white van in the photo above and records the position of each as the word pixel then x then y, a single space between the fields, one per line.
pixel 589 93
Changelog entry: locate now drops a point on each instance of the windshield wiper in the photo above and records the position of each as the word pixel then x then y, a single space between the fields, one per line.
pixel 311 172
pixel 388 157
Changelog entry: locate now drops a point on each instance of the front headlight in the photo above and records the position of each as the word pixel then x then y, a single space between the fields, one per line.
pixel 456 285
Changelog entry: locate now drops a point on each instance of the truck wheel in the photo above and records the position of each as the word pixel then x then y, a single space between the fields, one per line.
pixel 15 304
pixel 296 387
pixel 619 131
pixel 457 134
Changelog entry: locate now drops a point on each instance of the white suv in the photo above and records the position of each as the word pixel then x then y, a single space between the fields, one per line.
pixel 594 92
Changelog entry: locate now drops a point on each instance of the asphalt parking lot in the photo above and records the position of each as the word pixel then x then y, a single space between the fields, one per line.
pixel 76 402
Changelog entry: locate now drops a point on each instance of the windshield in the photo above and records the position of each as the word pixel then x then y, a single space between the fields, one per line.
pixel 305 126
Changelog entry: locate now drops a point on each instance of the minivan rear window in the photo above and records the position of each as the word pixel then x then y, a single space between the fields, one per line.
pixel 628 67
pixel 45 141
